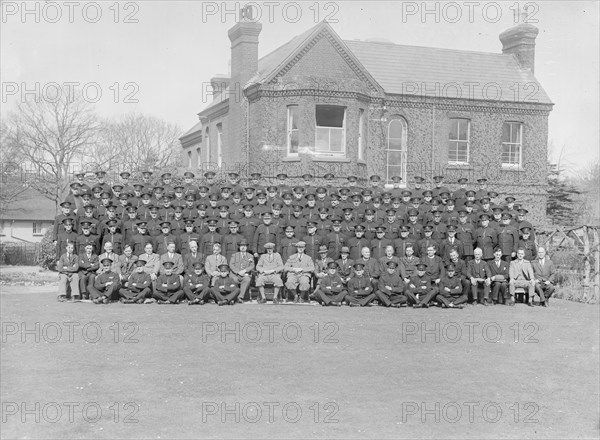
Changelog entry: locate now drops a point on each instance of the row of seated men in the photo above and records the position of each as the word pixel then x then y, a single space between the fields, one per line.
pixel 393 281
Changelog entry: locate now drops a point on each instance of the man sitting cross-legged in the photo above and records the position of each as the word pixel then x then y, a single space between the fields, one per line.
pixel 360 289
pixel 196 285
pixel 420 288
pixel 390 290
pixel 225 289
pixel 451 289
pixel 331 290
pixel 139 285
pixel 168 285
pixel 106 284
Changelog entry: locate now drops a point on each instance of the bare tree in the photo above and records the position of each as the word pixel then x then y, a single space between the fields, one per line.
pixel 136 142
pixel 50 135
pixel 13 184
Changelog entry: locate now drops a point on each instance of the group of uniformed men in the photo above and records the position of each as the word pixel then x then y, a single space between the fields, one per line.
pixel 168 243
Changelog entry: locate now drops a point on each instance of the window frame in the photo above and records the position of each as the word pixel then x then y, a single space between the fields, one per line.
pixel 519 144
pixel 219 144
pixel 361 135
pixel 41 228
pixel 290 130
pixel 458 141
pixel 329 153
pixel 403 151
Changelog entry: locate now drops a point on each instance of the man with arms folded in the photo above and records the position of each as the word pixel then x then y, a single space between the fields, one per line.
pixel 196 285
pixel 331 290
pixel 390 291
pixel 139 285
pixel 451 289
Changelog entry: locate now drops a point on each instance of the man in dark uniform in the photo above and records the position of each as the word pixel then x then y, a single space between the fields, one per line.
pixel 360 288
pixel 486 238
pixel 331 290
pixel 460 193
pixel 66 235
pixel 451 291
pixel 225 289
pixel 210 238
pixel 139 285
pixel 168 288
pixel 390 289
pixel 141 238
pixel 420 290
pixel 87 238
pixel 508 238
pixel 106 285
pixel 196 285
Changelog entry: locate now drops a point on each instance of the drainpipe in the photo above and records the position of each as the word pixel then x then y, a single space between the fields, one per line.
pixel 432 140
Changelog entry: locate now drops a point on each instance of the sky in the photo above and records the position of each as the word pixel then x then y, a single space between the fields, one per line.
pixel 157 57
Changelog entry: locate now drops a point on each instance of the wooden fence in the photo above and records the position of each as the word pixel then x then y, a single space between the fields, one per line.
pixel 576 252
pixel 23 254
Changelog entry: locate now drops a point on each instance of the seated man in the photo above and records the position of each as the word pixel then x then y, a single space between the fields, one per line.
pixel 478 273
pixel 299 268
pixel 499 277
pixel 360 288
pixel 545 276
pixel 345 265
pixel 213 261
pixel 269 268
pixel 139 285
pixel 420 288
pixel 331 290
pixel 241 266
pixel 67 267
pixel 451 289
pixel 88 266
pixel 168 285
pixel 106 284
pixel 196 285
pixel 390 290
pixel 225 289
pixel 521 275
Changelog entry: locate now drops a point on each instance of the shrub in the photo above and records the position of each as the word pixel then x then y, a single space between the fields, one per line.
pixel 47 256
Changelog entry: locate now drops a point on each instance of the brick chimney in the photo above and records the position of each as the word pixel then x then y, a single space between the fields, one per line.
pixel 244 65
pixel 520 41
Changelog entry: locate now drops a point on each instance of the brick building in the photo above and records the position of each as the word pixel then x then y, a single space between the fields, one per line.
pixel 321 104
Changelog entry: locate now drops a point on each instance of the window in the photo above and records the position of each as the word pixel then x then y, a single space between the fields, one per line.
pixel 395 164
pixel 292 130
pixel 37 228
pixel 198 157
pixel 361 134
pixel 189 159
pixel 512 139
pixel 330 130
pixel 219 145
pixel 2 228
pixel 458 141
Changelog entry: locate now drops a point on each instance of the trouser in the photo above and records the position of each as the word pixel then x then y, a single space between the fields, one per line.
pixel 420 296
pixel 327 298
pixel 362 299
pixel 244 282
pixel 69 279
pixel 294 280
pixel 200 293
pixel 135 294
pixel 544 291
pixel 225 295
pixel 499 290
pixel 456 300
pixel 529 284
pixel 389 298
pixel 111 292
pixel 85 280
pixel 477 289
pixel 171 295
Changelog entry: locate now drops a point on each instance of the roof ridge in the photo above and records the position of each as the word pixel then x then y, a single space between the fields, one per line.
pixel 425 47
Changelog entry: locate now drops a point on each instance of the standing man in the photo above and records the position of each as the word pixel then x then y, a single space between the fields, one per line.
pixel 545 276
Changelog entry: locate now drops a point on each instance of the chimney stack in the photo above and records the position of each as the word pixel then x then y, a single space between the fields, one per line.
pixel 520 41
pixel 244 46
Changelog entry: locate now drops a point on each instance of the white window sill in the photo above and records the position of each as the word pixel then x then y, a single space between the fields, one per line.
pixel 511 167
pixel 291 159
pixel 324 158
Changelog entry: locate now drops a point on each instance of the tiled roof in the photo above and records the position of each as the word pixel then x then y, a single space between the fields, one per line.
pixel 30 205
pixel 414 70
pixel 194 129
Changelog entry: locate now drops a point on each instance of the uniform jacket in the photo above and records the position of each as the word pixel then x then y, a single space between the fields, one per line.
pixel 168 283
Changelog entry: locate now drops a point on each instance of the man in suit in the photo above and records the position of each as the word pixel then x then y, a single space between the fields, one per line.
pixel 88 266
pixel 172 256
pixel 68 267
pixel 499 272
pixel 478 272
pixel 269 268
pixel 213 261
pixel 241 266
pixel 545 276
pixel 521 275
pixel 299 268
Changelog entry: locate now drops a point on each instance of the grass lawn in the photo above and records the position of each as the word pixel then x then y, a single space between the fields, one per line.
pixel 263 371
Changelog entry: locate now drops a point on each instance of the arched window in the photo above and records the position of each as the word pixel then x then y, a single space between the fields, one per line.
pixel 395 153
pixel 207 137
pixel 219 145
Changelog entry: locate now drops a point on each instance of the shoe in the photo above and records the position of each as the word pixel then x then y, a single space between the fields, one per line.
pixel 530 304
pixel 240 301
pixel 485 303
pixel 202 302
pixel 510 302
pixel 192 302
pixel 231 302
pixel 425 306
pixel 297 299
pixel 458 307
pixel 222 303
pixel 140 301
pixel 395 306
pixel 61 298
pixel 76 298
pixel 86 296
pixel 96 301
pixel 160 301
pixel 105 300
pixel 544 304
pixel 354 305
pixel 275 301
